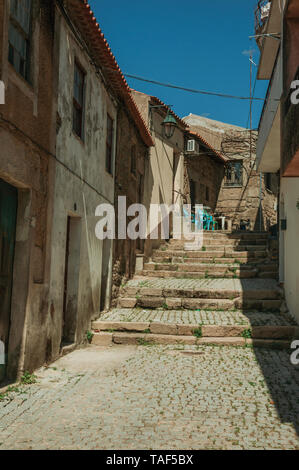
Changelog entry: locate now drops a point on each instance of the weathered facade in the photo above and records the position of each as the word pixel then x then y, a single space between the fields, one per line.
pixel 164 179
pixel 204 172
pixel 245 193
pixel 131 166
pixel 278 140
pixel 26 179
pixel 64 99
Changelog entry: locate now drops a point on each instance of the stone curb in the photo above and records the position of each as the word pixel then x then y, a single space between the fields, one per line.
pixel 214 331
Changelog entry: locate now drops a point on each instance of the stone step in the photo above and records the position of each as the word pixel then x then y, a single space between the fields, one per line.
pixel 214 331
pixel 199 303
pixel 223 294
pixel 219 247
pixel 183 256
pixel 213 269
pixel 243 274
pixel 141 339
pixel 218 234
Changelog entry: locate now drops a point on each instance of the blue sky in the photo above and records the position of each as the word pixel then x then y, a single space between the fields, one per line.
pixel 199 44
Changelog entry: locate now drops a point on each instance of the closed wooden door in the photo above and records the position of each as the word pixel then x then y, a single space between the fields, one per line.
pixel 8 217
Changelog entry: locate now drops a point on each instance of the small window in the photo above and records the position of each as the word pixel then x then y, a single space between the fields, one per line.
pixel 109 145
pixel 234 174
pixel 268 181
pixel 19 36
pixel 133 159
pixel 207 193
pixel 78 101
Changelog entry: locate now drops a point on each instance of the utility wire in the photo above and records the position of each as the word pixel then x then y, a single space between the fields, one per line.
pixel 6 121
pixel 191 90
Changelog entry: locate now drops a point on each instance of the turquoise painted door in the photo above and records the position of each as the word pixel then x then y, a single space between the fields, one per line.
pixel 8 216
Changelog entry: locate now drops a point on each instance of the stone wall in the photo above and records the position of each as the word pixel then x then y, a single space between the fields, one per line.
pixel 252 200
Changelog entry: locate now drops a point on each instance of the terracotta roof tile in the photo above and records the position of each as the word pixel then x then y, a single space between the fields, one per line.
pixel 217 154
pixel 80 11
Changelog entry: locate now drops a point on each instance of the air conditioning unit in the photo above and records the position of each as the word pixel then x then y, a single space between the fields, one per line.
pixel 191 145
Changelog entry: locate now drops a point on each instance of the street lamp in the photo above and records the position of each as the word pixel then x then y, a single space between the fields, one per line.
pixel 169 125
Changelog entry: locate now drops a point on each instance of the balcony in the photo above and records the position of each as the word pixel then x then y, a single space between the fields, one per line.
pixel 268 144
pixel 261 17
pixel 268 20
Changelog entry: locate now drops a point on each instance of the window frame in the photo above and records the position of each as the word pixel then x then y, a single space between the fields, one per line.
pixel 79 107
pixel 109 144
pixel 239 182
pixel 26 37
pixel 133 160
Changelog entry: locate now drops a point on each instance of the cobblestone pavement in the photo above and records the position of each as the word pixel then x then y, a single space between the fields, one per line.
pixel 157 398
pixel 200 317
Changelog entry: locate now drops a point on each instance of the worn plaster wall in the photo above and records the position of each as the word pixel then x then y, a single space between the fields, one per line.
pixel 205 172
pixel 289 252
pixel 165 172
pixel 26 163
pixel 81 184
pixel 129 182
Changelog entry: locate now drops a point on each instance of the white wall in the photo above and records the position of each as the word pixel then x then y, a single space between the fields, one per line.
pixel 290 254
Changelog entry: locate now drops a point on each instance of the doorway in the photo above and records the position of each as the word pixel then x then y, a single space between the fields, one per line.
pixel 8 220
pixel 71 280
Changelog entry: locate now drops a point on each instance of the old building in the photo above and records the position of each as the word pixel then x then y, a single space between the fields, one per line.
pixel 204 172
pixel 94 108
pixel 278 141
pixel 131 168
pixel 164 179
pixel 245 194
pixel 26 178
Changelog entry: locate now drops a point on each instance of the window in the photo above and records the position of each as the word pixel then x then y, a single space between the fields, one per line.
pixel 234 174
pixel 19 36
pixel 109 145
pixel 78 101
pixel 268 181
pixel 207 193
pixel 133 159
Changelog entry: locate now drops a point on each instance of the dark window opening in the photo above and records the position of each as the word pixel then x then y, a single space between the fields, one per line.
pixel 19 36
pixel 207 193
pixel 234 174
pixel 78 101
pixel 109 145
pixel 268 181
pixel 133 159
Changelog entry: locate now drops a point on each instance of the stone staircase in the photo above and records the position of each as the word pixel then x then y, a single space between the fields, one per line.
pixel 225 293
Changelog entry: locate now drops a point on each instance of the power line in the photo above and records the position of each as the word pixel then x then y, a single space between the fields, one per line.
pixel 191 90
pixel 41 147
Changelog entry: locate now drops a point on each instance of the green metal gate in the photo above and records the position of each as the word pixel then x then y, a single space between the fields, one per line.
pixel 8 217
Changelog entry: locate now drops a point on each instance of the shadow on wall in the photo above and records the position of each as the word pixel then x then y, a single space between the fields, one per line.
pixel 261 303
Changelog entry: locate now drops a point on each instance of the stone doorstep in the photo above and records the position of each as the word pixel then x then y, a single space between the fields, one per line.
pixel 215 331
pixel 108 339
